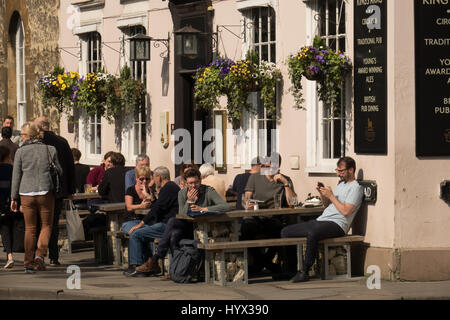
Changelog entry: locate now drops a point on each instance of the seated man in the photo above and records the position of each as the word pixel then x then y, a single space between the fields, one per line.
pixel 342 205
pixel 240 181
pixel 204 198
pixel 154 223
pixel 264 186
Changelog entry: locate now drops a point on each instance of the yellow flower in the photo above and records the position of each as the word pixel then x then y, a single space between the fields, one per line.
pixel 200 80
pixel 54 82
pixel 65 75
pixel 63 87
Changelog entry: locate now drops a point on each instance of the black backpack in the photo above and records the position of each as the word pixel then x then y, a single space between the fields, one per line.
pixel 186 262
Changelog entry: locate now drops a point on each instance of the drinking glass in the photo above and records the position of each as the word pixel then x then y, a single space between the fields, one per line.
pixel 292 202
pixel 88 188
pixel 277 201
pixel 246 201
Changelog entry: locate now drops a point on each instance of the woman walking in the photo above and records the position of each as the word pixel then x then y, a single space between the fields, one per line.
pixel 32 181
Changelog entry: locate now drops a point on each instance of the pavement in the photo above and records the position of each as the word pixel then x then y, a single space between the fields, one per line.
pixel 105 282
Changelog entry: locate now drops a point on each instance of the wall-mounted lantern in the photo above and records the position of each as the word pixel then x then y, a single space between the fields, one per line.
pixel 187 39
pixel 140 47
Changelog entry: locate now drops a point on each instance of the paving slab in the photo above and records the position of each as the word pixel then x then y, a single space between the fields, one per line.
pixel 105 282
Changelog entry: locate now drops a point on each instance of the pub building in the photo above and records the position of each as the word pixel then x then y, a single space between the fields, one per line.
pixel 394 118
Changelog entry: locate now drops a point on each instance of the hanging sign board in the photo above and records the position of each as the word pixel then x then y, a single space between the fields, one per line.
pixel 370 75
pixel 432 52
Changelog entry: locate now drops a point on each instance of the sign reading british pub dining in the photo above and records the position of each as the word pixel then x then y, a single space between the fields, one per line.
pixel 370 75
pixel 432 49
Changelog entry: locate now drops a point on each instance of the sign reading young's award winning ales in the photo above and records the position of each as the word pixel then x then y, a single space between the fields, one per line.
pixel 432 41
pixel 370 89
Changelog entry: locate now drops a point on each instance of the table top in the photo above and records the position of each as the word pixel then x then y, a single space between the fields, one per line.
pixel 255 213
pixel 110 207
pixel 86 195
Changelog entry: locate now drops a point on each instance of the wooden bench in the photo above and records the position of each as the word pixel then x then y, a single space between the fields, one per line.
pixel 124 238
pixel 218 274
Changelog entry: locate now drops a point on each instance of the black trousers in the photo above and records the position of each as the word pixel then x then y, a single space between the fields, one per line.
pixel 6 231
pixel 262 228
pixel 314 231
pixel 175 231
pixel 53 250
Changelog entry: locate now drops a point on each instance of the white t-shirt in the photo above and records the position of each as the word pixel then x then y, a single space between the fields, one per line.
pixel 351 193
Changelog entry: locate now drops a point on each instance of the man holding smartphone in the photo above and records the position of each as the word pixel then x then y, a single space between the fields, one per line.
pixel 342 204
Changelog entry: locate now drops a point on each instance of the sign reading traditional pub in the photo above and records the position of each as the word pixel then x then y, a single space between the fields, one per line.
pixel 370 74
pixel 432 48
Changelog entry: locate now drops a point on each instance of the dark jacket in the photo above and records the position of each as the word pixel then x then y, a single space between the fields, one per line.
pixel 65 158
pixel 81 173
pixel 112 186
pixel 166 206
pixel 11 146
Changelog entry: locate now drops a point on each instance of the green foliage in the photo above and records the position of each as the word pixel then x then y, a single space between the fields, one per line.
pixel 322 64
pixel 236 80
pixel 124 95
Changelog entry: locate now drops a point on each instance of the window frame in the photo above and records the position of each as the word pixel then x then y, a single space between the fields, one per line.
pixel 21 86
pixel 85 122
pixel 129 135
pixel 316 160
pixel 250 144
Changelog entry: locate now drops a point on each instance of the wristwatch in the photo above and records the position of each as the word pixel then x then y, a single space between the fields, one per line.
pixel 286 185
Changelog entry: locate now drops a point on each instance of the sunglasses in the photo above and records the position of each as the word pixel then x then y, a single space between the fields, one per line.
pixel 142 179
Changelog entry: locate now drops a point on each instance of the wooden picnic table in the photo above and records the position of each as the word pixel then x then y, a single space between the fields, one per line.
pixel 114 211
pixel 204 222
pixel 204 227
pixel 86 195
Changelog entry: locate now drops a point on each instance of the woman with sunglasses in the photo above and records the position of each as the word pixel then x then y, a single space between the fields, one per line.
pixel 139 196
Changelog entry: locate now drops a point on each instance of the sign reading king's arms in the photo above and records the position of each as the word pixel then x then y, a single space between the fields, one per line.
pixel 432 52
pixel 370 90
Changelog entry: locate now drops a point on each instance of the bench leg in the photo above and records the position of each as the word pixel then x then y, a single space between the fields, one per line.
pixel 349 261
pixel 299 257
pixel 207 268
pixel 325 261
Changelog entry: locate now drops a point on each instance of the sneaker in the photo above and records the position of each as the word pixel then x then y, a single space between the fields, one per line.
pixel 151 266
pixel 300 277
pixel 29 270
pixel 9 264
pixel 54 263
pixel 39 263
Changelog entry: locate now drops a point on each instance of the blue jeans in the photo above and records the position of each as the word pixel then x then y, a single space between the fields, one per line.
pixel 137 249
pixel 127 225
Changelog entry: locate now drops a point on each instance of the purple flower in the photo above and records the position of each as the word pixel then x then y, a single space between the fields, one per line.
pixel 75 88
pixel 314 69
pixel 319 59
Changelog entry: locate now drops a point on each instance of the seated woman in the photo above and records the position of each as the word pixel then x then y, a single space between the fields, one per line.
pixel 139 196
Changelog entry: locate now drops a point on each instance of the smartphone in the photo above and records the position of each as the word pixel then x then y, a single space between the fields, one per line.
pixel 320 185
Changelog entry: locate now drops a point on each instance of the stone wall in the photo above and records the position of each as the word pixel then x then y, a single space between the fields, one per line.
pixel 40 20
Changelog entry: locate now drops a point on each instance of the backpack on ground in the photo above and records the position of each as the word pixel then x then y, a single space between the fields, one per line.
pixel 187 262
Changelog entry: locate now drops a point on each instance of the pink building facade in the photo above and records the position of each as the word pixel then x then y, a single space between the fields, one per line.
pixel 406 229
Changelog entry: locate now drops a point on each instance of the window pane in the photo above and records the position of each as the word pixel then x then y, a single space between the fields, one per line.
pixel 273 54
pixel 256 26
pixel 92 138
pixel 265 53
pixel 264 25
pixel 322 18
pixel 337 138
pixel 273 34
pixel 98 139
pixel 331 17
pixel 342 17
pixel 326 139
pixel 342 44
pixel 271 137
pixel 136 139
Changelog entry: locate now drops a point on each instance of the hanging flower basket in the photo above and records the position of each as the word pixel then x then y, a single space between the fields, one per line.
pixel 236 80
pixel 322 64
pixel 58 89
